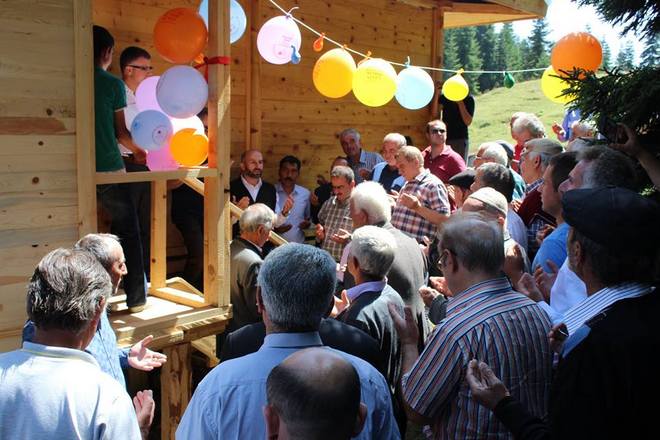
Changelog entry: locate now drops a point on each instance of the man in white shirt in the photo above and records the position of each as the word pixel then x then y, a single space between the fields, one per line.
pixel 298 218
pixel 51 388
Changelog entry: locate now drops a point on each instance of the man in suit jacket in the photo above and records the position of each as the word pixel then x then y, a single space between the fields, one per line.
pixel 256 222
pixel 370 206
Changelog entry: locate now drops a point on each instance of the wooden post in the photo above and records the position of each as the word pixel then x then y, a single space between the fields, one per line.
pixel 247 61
pixel 216 189
pixel 437 55
pixel 85 154
pixel 255 77
pixel 158 269
pixel 175 384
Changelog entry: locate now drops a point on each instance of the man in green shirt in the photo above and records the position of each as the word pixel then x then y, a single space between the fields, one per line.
pixel 109 104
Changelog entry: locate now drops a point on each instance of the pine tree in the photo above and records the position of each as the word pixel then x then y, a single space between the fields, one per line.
pixel 486 40
pixel 625 60
pixel 450 58
pixel 539 55
pixel 469 55
pixel 607 55
pixel 526 61
pixel 651 53
pixel 507 52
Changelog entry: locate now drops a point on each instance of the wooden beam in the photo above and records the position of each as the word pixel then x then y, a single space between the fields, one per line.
pixel 437 56
pixel 85 155
pixel 420 3
pixel 175 384
pixel 151 176
pixel 256 20
pixel 158 270
pixel 248 78
pixel 534 7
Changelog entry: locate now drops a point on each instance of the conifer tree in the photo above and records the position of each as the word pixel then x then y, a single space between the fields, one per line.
pixel 469 55
pixel 450 58
pixel 625 60
pixel 486 40
pixel 507 51
pixel 607 55
pixel 651 53
pixel 538 54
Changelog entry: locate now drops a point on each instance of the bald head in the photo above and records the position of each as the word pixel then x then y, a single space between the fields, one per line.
pixel 252 164
pixel 315 394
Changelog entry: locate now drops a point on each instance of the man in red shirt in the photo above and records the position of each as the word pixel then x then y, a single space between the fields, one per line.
pixel 439 157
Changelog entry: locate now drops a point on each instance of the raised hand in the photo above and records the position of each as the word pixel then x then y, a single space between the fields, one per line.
pixel 405 325
pixel 342 236
pixel 144 411
pixel 545 280
pixel 141 358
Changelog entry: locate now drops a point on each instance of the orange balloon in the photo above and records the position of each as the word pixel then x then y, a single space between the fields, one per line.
pixel 180 35
pixel 189 148
pixel 577 49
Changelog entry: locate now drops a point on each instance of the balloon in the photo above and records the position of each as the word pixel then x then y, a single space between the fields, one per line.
pixel 192 122
pixel 151 129
pixel 577 49
pixel 182 92
pixel 333 73
pixel 189 148
pixel 237 21
pixel 455 88
pixel 180 35
pixel 374 82
pixel 509 81
pixel 145 95
pixel 276 37
pixel 553 87
pixel 161 160
pixel 415 88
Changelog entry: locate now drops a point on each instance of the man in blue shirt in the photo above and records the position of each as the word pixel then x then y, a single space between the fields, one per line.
pixel 296 289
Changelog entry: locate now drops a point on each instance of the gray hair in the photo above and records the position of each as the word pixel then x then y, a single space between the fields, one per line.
pixel 371 198
pixel 476 243
pixel 100 246
pixel 531 123
pixel 498 177
pixel 607 167
pixel 66 290
pixel 342 171
pixel 545 148
pixel 396 138
pixel 411 154
pixel 256 215
pixel 348 131
pixel 373 248
pixel 580 143
pixel 297 283
pixel 496 153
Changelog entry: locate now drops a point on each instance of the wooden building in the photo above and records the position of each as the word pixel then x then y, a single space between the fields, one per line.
pixel 47 177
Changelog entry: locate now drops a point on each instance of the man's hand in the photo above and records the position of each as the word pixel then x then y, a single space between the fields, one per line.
pixel 144 410
pixel 141 358
pixel 557 336
pixel 282 229
pixel 631 145
pixel 559 131
pixel 304 224
pixel 140 156
pixel 314 199
pixel 440 284
pixel 428 295
pixel 243 203
pixel 341 304
pixel 364 173
pixel 545 280
pixel 527 286
pixel 410 201
pixel 288 205
pixel 320 233
pixel 406 327
pixel 392 197
pixel 342 236
pixel 486 388
pixel 515 204
pixel 544 232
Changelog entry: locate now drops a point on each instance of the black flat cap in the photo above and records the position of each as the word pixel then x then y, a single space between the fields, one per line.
pixel 464 179
pixel 507 147
pixel 617 218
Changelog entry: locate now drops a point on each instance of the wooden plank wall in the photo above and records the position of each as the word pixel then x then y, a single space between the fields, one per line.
pixel 38 193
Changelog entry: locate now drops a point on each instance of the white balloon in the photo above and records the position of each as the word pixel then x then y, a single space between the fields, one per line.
pixel 276 37
pixel 182 92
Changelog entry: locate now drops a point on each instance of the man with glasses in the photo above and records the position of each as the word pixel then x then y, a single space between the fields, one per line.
pixel 439 157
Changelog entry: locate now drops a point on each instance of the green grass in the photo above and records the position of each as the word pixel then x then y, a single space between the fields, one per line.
pixel 494 108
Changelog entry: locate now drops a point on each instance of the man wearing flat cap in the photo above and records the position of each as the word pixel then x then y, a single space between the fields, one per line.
pixel 605 376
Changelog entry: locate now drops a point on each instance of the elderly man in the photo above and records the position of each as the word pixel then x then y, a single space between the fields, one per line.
pixel 298 217
pixel 324 191
pixel 604 371
pixel 296 288
pixel 51 388
pixel 524 126
pixel 362 162
pixel 335 225
pixel 312 393
pixel 387 173
pixel 459 186
pixel 533 162
pixel 485 319
pixel 439 157
pixel 495 152
pixel 422 205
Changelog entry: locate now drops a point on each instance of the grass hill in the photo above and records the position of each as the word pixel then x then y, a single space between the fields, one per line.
pixel 494 108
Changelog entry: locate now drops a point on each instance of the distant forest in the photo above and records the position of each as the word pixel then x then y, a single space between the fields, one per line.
pixel 484 48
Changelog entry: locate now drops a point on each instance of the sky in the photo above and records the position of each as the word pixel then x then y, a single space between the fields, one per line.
pixel 565 16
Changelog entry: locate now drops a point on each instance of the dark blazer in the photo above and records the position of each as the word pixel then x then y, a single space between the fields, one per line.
pixel 267 195
pixel 244 268
pixel 370 313
pixel 333 333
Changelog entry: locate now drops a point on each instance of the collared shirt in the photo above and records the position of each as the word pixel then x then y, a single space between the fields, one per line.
pixel 130 112
pixel 599 301
pixel 516 228
pixel 492 323
pixel 368 161
pixel 432 194
pixel 229 402
pixel 60 393
pixel 252 189
pixel 537 222
pixel 299 213
pixel 553 248
pixel 372 286
pixel 390 179
pixel 335 215
pixel 519 185
pixel 445 165
pixel 103 348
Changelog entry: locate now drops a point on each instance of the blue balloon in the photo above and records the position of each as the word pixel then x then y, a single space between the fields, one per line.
pixel 151 130
pixel 237 19
pixel 182 92
pixel 415 88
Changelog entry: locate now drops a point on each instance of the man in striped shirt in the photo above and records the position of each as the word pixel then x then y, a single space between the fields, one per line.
pixel 485 319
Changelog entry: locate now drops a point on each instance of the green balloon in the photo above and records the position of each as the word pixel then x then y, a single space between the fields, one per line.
pixel 508 80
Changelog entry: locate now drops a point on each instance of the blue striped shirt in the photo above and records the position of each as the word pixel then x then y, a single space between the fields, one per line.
pixel 492 323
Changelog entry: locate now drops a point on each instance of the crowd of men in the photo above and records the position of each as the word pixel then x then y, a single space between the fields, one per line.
pixel 512 299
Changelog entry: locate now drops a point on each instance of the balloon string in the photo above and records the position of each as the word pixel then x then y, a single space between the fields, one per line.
pixel 212 60
pixel 362 55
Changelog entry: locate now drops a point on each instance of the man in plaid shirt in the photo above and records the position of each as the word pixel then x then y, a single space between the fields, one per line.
pixel 422 204
pixel 335 223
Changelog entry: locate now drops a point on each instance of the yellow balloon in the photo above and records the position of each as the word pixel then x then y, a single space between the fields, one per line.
pixel 374 83
pixel 333 73
pixel 455 88
pixel 553 87
pixel 189 148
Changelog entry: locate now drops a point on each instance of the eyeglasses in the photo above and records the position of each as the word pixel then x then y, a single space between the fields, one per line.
pixel 437 130
pixel 143 68
pixel 443 257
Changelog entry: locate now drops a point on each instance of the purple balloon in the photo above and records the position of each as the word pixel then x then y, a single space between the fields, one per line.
pixel 145 95
pixel 161 160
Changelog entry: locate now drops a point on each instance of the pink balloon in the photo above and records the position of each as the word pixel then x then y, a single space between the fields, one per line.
pixel 276 37
pixel 145 95
pixel 192 122
pixel 161 160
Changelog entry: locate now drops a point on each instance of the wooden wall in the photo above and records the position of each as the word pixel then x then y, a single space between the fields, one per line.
pixel 38 193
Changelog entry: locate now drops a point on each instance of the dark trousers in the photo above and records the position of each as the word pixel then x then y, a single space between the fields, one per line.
pixel 140 193
pixel 116 200
pixel 461 146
